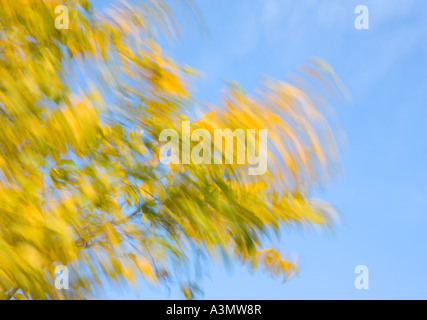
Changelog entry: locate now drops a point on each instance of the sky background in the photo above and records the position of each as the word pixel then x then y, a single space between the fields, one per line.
pixel 382 192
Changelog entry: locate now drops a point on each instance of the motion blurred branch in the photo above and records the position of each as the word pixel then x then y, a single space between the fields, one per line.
pixel 81 113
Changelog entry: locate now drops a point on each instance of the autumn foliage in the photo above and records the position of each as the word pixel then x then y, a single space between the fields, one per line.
pixel 81 184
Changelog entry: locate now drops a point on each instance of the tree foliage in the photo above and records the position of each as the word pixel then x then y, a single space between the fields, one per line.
pixel 81 111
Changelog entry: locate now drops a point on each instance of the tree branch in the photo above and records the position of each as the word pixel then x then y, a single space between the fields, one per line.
pixel 11 293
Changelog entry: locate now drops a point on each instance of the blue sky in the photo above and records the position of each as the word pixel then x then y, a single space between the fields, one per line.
pixel 382 192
